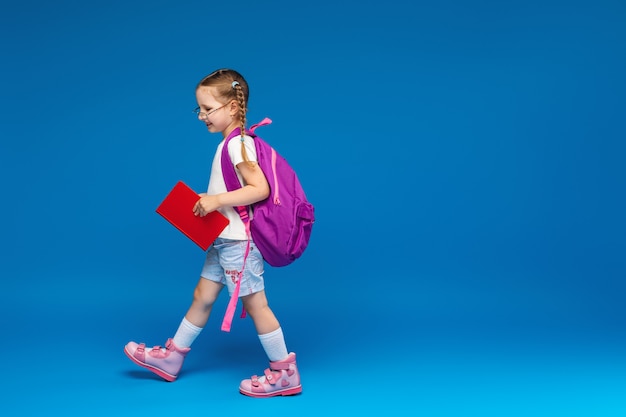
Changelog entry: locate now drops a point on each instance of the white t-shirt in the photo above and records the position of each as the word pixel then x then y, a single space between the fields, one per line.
pixel 235 229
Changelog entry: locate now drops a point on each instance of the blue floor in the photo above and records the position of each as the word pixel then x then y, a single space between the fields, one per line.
pixel 389 358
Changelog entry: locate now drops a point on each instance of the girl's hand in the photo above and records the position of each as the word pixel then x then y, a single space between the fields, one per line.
pixel 205 205
pixel 256 189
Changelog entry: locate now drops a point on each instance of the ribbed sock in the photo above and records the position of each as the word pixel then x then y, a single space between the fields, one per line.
pixel 186 334
pixel 274 345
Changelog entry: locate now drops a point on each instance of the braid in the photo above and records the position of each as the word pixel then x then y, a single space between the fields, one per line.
pixel 242 118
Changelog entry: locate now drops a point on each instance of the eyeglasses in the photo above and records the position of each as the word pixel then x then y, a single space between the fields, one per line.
pixel 204 115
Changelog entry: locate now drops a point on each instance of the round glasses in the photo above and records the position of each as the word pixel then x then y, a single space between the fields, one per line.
pixel 205 115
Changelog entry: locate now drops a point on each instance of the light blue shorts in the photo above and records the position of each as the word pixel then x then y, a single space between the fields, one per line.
pixel 224 260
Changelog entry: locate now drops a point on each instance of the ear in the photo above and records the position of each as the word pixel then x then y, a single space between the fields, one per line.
pixel 233 109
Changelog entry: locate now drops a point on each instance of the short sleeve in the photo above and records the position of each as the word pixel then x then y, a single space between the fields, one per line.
pixel 234 150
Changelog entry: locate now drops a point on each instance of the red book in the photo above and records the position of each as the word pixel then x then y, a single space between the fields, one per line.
pixel 177 208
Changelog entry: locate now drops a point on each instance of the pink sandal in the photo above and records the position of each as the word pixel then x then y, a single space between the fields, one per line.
pixel 281 378
pixel 166 363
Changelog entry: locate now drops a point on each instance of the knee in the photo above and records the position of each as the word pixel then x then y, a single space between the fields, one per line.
pixel 261 314
pixel 257 310
pixel 204 297
pixel 256 306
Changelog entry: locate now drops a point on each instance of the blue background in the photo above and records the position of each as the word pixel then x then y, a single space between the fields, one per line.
pixel 466 161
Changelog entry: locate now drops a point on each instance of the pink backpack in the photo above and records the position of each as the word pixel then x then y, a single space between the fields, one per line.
pixel 281 224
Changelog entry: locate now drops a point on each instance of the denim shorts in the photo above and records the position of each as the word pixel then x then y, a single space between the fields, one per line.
pixel 224 260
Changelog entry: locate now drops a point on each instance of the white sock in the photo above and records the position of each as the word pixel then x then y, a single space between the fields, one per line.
pixel 186 334
pixel 274 345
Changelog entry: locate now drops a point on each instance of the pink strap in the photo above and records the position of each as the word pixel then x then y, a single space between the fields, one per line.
pixel 243 213
pixel 263 122
pixel 232 304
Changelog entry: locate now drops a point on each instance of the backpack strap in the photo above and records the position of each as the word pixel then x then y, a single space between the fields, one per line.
pixel 232 303
pixel 228 169
pixel 232 183
pixel 266 121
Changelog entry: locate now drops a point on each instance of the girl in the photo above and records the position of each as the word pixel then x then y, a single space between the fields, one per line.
pixel 222 104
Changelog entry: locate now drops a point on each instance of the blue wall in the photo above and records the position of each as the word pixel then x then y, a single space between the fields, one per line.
pixel 466 161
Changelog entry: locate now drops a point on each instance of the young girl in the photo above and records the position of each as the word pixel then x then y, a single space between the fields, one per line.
pixel 222 103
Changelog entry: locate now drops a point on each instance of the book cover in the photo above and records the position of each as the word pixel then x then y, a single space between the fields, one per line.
pixel 177 208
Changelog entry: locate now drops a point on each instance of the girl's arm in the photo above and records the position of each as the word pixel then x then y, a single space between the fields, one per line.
pixel 256 189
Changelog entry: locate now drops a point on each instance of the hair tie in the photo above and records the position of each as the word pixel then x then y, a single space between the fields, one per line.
pixel 235 84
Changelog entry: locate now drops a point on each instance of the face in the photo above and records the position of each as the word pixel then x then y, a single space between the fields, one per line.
pixel 218 116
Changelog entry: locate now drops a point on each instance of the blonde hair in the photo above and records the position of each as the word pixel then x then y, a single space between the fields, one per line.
pixel 230 85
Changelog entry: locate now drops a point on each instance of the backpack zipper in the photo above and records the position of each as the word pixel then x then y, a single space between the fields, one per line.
pixel 276 188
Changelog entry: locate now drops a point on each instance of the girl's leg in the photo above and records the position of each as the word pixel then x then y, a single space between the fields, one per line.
pixel 257 307
pixel 267 326
pixel 282 377
pixel 167 362
pixel 204 297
